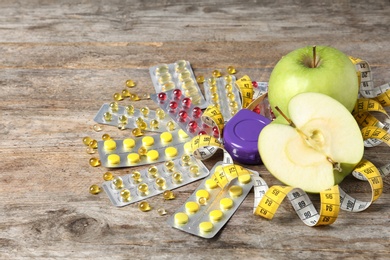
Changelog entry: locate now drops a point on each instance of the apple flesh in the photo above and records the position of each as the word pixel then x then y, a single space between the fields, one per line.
pixel 320 147
pixel 332 74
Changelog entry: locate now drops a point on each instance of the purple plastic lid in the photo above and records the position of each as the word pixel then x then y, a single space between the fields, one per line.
pixel 241 135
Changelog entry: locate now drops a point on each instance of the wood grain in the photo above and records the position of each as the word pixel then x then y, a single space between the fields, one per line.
pixel 61 60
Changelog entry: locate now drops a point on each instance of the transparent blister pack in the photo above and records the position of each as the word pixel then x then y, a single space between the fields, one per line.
pixel 177 75
pixel 156 179
pixel 181 109
pixel 128 117
pixel 209 207
pixel 143 150
pixel 223 93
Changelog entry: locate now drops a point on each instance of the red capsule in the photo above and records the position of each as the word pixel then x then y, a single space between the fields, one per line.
pixel 254 84
pixel 215 131
pixel 183 115
pixel 192 125
pixel 177 93
pixel 257 109
pixel 162 96
pixel 196 112
pixel 202 133
pixel 186 102
pixel 172 106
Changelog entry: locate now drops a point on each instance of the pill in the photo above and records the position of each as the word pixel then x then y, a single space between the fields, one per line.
pixel 162 96
pixel 87 140
pixel 191 207
pixel 244 178
pixel 200 79
pixel 196 112
pixel 125 93
pixel 107 116
pixel 130 83
pixel 226 203
pixel 148 140
pixel 168 86
pixel 117 183
pixel 231 96
pixel 125 195
pixel 142 150
pixel 185 160
pixel 152 171
pixel 212 81
pixel 172 106
pixel 177 93
pixel 137 132
pixel 231 70
pixel 90 150
pixel 94 189
pixel 133 157
pixel 206 226
pixel 93 144
pixel 171 151
pixel 106 137
pixel 114 106
pixel 168 195
pixel 143 189
pixel 216 215
pixel 181 218
pixel 160 113
pixel 171 125
pixel 184 74
pixel 130 110
pixel 202 201
pixel 216 73
pixel 108 176
pixel 145 111
pixel 128 143
pixel 164 78
pixel 186 102
pixel 160 182
pixel 113 159
pixel 110 145
pixel 202 193
pixel 161 211
pixel 228 78
pixel 235 191
pixel 136 176
pixel 152 155
pixel 166 137
pixel 169 166
pixel 144 206
pixel 228 87
pixel 182 115
pixel 94 162
pixel 97 128
pixel 154 124
pixel 192 125
pixel 134 97
pixel 194 170
pixel 177 177
pixel 188 147
pixel 211 184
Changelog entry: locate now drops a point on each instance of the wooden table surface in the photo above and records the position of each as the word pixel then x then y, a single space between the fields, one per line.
pixel 61 60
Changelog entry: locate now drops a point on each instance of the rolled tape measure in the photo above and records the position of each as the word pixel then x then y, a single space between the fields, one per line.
pixel 245 87
pixel 334 199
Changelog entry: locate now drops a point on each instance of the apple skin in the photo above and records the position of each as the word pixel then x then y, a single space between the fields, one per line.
pixel 335 76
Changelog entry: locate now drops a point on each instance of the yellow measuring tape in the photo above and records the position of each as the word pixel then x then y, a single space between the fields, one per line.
pixel 332 200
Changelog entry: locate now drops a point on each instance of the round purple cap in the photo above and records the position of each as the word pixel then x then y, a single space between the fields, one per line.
pixel 241 136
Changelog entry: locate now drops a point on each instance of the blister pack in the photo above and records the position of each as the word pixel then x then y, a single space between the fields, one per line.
pixel 145 183
pixel 125 117
pixel 143 150
pixel 211 205
pixel 178 75
pixel 223 94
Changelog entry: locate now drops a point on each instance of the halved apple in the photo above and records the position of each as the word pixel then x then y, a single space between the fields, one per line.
pixel 321 145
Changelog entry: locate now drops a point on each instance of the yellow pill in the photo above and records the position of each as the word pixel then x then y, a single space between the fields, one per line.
pixel 142 150
pixel 228 78
pixel 145 111
pixel 217 73
pixel 108 176
pixel 162 69
pixel 125 93
pixel 168 195
pixel 114 106
pixel 235 191
pixel 97 128
pixel 144 206
pixel 206 227
pixel 166 137
pixel 148 141
pixel 186 159
pixel 191 207
pixel 200 79
pixel 113 159
pixel 244 179
pixel 168 86
pixel 94 162
pixel 143 188
pixel 136 176
pixel 228 87
pixel 160 182
pixel 90 150
pixel 152 155
pixel 194 170
pixel 128 143
pixel 216 215
pixel 110 145
pixel 106 137
pixel 133 157
pixel 171 126
pixel 182 134
pixel 137 132
pixel 169 166
pixel 93 144
pixel 188 147
pixel 107 116
pixel 154 124
pixel 87 140
pixel 125 195
pixel 152 171
pixel 130 110
pixel 202 193
pixel 202 201
pixel 181 218
pixel 117 182
pixel 231 96
pixel 212 81
pixel 130 83
pixel 231 70
pixel 161 211
pixel 170 151
pixel 211 184
pixel 177 177
pixel 94 189
pixel 160 113
pixel 226 203
pixel 123 119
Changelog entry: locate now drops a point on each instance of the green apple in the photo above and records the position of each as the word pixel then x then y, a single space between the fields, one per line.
pixel 318 149
pixel 313 69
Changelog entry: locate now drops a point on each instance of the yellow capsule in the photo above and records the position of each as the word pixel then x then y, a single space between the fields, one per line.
pixel 144 206
pixel 202 201
pixel 233 104
pixel 231 96
pixel 164 78
pixel 145 111
pixel 214 97
pixel 154 124
pixel 171 125
pixel 213 89
pixel 168 195
pixel 160 182
pixel 93 144
pixel 169 166
pixel 106 137
pixel 108 176
pixel 94 162
pixel 185 74
pixel 134 97
pixel 143 189
pixel 152 171
pixel 125 195
pixel 136 176
pixel 217 73
pixel 143 125
pixel 130 83
pixel 160 113
pixel 125 93
pixel 228 87
pixel 200 79
pixel 142 150
pixel 123 119
pixel 94 189
pixel 90 150
pixel 161 211
pixel 180 64
pixel 122 126
pixel 162 69
pixel 168 86
pixel 137 132
pixel 117 182
pixel 186 160
pixel 97 128
pixel 130 110
pixel 194 170
pixel 228 79
pixel 107 116
pixel 177 177
pixel 139 120
pixel 117 97
pixel 231 70
pixel 87 140
pixel 212 81
pixel 114 106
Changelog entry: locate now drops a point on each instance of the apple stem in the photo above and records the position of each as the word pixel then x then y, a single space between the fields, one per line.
pixel 313 64
pixel 285 117
pixel 336 165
